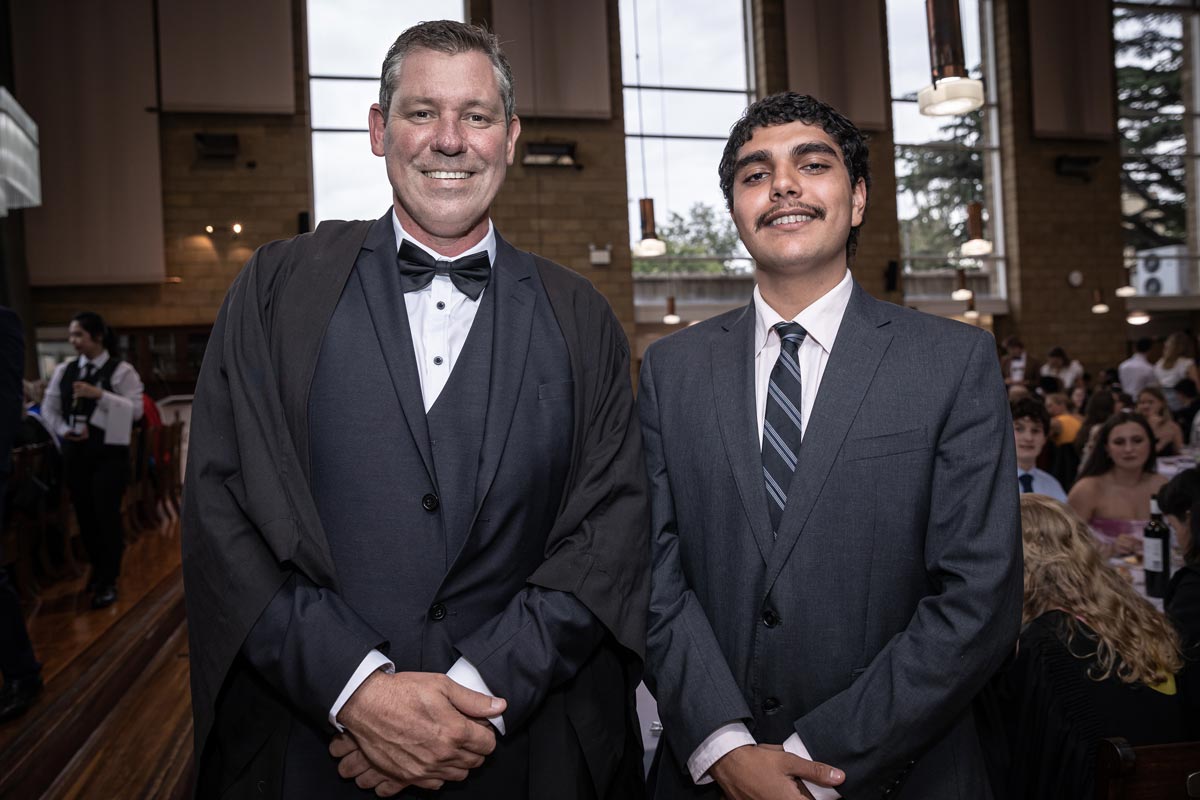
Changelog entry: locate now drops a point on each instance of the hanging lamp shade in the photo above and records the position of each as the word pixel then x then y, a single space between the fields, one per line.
pixel 650 245
pixel 952 91
pixel 975 245
pixel 961 292
pixel 1098 304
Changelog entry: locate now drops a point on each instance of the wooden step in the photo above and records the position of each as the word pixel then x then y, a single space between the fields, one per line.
pixel 35 750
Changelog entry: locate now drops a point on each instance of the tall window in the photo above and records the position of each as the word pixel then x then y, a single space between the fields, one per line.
pixel 1158 116
pixel 943 164
pixel 347 40
pixel 686 73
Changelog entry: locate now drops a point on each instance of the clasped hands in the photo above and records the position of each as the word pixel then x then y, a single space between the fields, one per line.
pixel 768 772
pixel 413 729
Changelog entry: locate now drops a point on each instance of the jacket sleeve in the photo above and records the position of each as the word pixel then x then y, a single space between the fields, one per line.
pixel 598 548
pixel 250 530
pixel 927 675
pixel 686 670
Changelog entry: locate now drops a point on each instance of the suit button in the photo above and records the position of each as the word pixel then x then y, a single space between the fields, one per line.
pixel 770 705
pixel 770 618
pixel 430 502
pixel 437 612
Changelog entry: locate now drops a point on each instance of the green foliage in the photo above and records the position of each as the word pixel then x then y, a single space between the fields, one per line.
pixel 700 243
pixel 1150 106
pixel 941 181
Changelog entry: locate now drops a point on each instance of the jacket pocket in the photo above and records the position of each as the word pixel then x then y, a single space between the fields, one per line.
pixel 888 444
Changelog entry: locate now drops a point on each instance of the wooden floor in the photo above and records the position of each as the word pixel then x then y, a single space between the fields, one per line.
pixel 114 720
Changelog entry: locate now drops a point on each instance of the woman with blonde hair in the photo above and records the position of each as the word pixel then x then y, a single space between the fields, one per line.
pixel 1178 362
pixel 1094 660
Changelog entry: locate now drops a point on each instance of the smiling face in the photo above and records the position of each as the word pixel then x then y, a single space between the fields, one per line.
pixel 1031 438
pixel 1128 446
pixel 446 146
pixel 792 201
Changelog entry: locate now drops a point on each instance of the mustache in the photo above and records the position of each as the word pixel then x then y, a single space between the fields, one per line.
pixel 816 212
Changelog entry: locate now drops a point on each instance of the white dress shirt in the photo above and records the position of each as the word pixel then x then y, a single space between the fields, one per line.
pixel 821 320
pixel 439 318
pixel 116 411
pixel 1135 374
pixel 1043 483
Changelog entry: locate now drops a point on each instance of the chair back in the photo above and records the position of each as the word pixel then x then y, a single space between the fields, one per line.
pixel 1153 772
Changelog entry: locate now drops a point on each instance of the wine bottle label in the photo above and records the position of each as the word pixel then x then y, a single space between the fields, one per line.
pixel 1152 558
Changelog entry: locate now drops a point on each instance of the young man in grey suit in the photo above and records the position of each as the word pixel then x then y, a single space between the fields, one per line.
pixel 447 563
pixel 836 552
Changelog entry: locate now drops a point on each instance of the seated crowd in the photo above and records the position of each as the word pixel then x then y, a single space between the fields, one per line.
pixel 1096 658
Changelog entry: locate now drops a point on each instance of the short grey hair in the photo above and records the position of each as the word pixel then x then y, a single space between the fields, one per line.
pixel 451 38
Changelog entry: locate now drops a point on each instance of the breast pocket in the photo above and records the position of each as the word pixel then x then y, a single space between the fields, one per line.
pixel 887 444
pixel 549 391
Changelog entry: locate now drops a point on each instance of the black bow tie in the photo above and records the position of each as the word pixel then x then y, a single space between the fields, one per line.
pixel 469 274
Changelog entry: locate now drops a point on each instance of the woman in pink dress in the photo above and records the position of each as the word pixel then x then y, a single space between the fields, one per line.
pixel 1116 483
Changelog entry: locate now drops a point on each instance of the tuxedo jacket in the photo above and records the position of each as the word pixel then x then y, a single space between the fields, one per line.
pixel 327 514
pixel 893 589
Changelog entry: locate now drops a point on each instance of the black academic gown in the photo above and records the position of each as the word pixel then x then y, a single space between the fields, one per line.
pixel 250 522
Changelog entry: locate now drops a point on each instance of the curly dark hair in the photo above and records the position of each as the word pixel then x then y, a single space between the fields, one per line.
pixel 785 107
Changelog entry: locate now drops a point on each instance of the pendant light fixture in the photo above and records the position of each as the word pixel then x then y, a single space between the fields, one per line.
pixel 1137 317
pixel 961 292
pixel 1128 289
pixel 975 246
pixel 1098 304
pixel 952 90
pixel 971 312
pixel 671 318
pixel 649 246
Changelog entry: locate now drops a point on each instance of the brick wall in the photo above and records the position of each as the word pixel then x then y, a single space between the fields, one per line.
pixel 264 189
pixel 1055 224
pixel 557 212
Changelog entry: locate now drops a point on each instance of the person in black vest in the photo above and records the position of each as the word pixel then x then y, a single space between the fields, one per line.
pixel 92 402
pixel 21 670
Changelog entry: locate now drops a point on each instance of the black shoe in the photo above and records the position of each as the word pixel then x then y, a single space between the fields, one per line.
pixel 17 696
pixel 104 597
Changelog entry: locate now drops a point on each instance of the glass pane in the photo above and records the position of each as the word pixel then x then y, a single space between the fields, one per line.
pixel 1153 202
pixel 162 353
pixel 694 43
pixel 1154 135
pixel 349 182
pixel 351 37
pixel 912 127
pixel 933 188
pixel 682 113
pixel 1149 58
pixel 908 44
pixel 342 104
pixel 689 209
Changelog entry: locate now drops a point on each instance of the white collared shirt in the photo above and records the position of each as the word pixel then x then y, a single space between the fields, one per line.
pixel 440 316
pixel 115 412
pixel 439 319
pixel 822 320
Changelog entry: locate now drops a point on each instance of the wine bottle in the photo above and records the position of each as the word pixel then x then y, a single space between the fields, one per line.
pixel 1156 553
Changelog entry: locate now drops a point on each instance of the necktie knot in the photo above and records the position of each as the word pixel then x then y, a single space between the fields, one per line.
pixel 791 335
pixel 417 269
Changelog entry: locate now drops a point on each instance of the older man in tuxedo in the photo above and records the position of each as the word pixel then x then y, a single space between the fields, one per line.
pixel 837 562
pixel 449 564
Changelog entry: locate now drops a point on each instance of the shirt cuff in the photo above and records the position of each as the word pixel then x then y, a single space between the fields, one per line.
pixel 796 747
pixel 718 744
pixel 464 674
pixel 374 660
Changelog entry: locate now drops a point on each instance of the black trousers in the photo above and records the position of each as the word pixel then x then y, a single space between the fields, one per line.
pixel 17 661
pixel 97 475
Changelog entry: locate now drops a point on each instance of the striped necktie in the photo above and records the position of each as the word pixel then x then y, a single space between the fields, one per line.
pixel 781 426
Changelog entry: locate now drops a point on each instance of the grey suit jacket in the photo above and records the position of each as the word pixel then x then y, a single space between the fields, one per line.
pixel 893 590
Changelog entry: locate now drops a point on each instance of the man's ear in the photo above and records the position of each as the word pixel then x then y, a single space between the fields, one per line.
pixel 377 125
pixel 858 202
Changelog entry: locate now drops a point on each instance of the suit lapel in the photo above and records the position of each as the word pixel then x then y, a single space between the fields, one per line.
pixel 515 301
pixel 733 393
pixel 380 281
pixel 862 340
